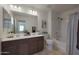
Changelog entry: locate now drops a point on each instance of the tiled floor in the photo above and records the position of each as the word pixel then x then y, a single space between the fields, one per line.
pixel 48 52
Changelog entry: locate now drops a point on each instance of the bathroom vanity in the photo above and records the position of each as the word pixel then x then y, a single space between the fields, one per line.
pixel 25 45
pixel 15 23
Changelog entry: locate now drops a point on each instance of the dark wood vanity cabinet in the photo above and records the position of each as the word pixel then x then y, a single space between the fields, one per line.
pixel 26 46
pixel 23 47
pixel 37 44
pixel 9 47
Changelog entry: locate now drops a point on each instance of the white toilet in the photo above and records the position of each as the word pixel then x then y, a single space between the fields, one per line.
pixel 49 44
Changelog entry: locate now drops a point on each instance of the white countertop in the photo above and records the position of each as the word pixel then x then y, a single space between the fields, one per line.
pixel 20 37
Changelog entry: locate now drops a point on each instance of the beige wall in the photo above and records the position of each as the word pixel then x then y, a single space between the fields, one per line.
pixel 42 15
pixel 49 25
pixel 54 24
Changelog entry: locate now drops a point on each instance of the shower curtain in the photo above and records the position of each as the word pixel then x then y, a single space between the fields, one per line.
pixel 72 33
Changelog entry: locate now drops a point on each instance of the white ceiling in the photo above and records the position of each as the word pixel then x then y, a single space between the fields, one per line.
pixel 63 7
pixel 54 7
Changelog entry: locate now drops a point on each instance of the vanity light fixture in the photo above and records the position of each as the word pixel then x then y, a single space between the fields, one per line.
pixel 11 6
pixel 33 12
pixel 15 7
pixel 30 11
pixel 19 8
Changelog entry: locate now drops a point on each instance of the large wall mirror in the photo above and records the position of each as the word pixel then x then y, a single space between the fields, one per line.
pixel 25 22
pixel 8 22
pixel 18 22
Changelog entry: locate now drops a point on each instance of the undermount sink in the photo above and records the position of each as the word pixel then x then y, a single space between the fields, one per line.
pixel 10 36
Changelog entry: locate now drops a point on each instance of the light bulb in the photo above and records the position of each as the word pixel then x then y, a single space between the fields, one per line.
pixel 15 6
pixel 11 6
pixel 19 8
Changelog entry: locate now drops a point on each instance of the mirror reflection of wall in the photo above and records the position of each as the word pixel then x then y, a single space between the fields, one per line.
pixel 20 26
pixel 7 24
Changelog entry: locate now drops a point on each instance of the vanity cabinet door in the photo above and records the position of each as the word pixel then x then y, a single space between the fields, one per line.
pixel 40 43
pixel 36 44
pixel 15 47
pixel 9 48
pixel 32 45
pixel 23 47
